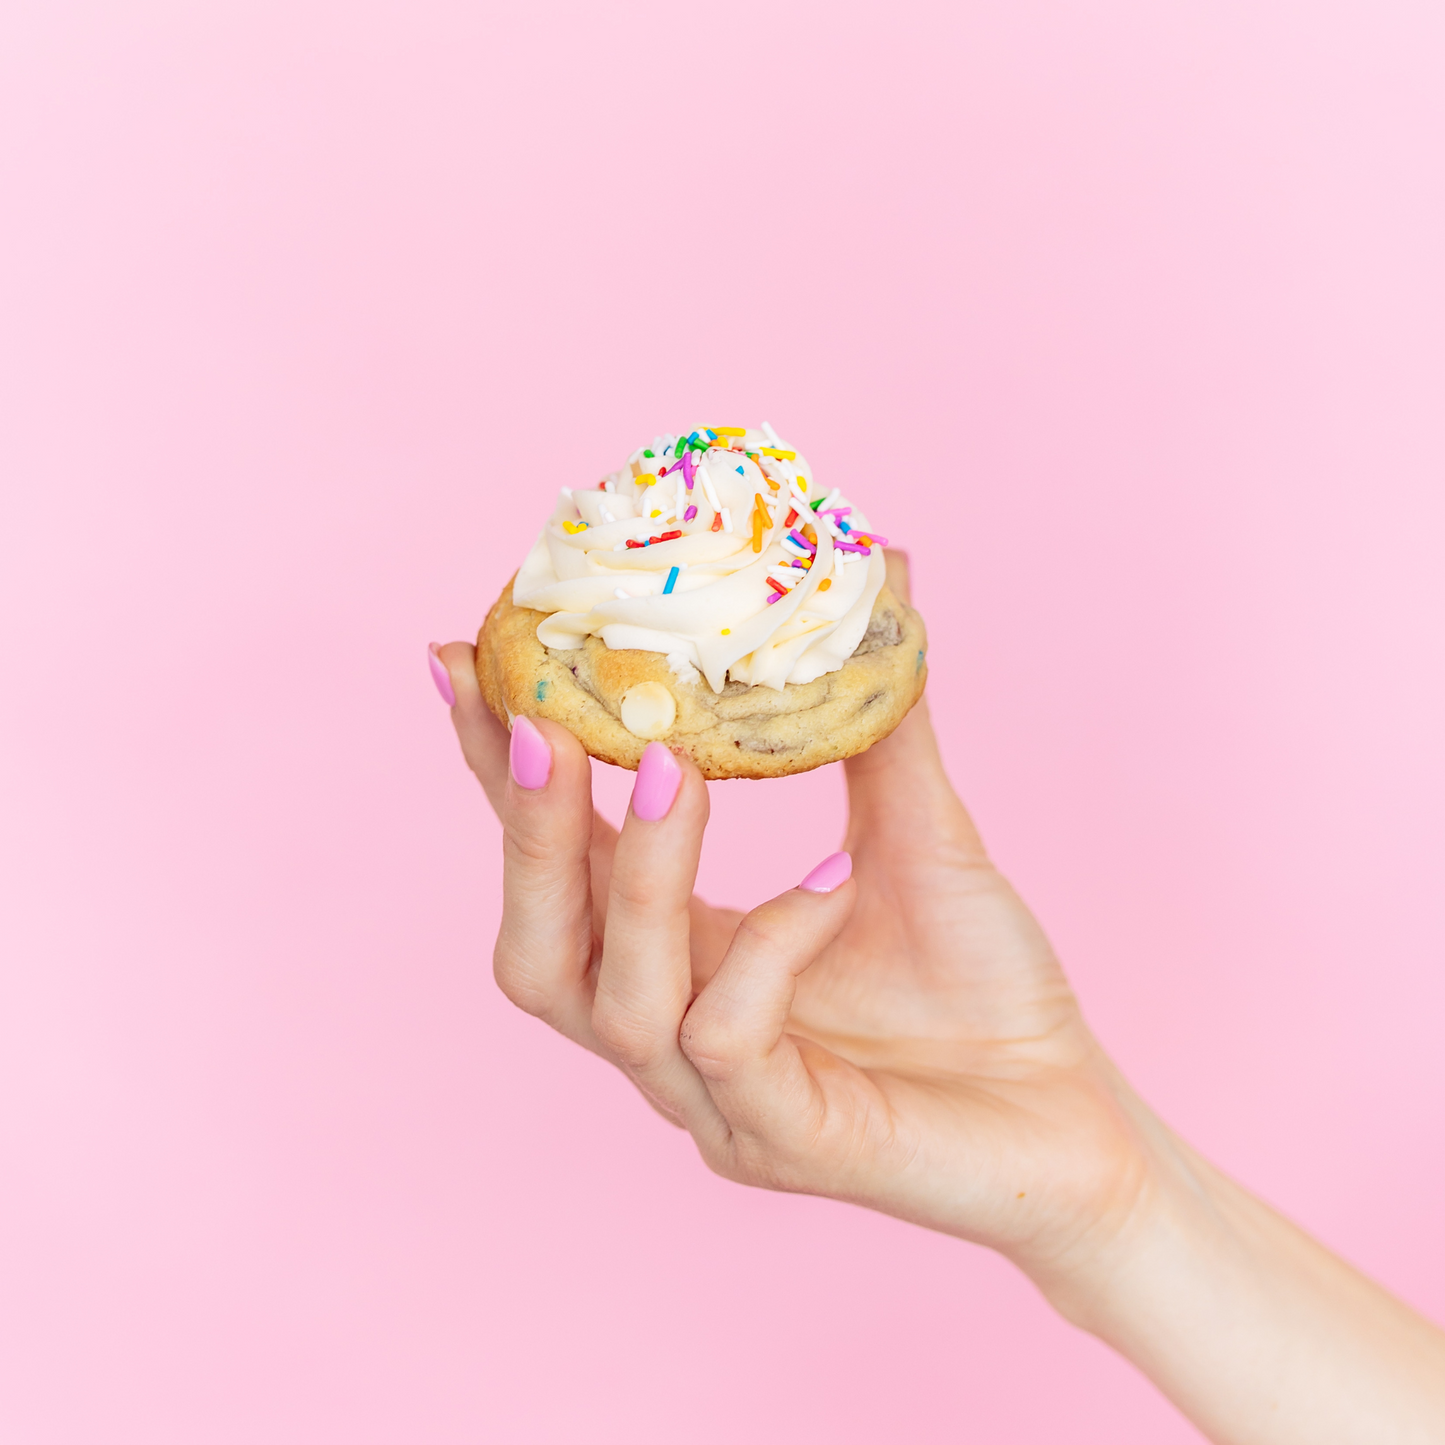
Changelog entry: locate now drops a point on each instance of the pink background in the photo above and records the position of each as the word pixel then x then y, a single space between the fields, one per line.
pixel 1128 319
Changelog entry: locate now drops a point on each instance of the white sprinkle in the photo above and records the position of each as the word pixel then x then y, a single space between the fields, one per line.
pixel 710 494
pixel 727 517
pixel 610 487
pixel 773 437
pixel 621 546
pixel 567 492
pixel 607 516
pixel 619 592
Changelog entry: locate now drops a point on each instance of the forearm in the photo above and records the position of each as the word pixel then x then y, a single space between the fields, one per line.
pixel 1258 1333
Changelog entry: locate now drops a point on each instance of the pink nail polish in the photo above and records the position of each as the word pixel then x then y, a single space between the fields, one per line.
pixel 441 676
pixel 831 873
pixel 658 779
pixel 531 758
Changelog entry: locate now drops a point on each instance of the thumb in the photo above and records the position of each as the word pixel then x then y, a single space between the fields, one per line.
pixel 900 800
pixel 733 1034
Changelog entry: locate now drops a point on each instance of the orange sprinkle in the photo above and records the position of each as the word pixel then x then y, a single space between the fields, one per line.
pixel 825 584
pixel 760 520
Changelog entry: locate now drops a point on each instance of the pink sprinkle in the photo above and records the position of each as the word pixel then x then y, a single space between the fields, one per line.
pixel 848 547
pixel 688 515
pixel 773 597
pixel 687 469
pixel 836 511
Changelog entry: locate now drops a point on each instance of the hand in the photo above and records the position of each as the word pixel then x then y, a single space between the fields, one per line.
pixel 906 1041
pixel 904 1038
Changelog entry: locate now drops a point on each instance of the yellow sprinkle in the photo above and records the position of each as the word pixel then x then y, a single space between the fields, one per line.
pixel 731 431
pixel 825 584
pixel 572 528
pixel 647 479
pixel 726 631
pixel 655 514
pixel 774 452
pixel 802 484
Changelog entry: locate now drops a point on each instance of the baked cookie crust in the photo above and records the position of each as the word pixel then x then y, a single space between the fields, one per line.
pixel 742 732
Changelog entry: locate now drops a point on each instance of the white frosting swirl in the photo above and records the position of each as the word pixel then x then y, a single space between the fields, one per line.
pixel 752 526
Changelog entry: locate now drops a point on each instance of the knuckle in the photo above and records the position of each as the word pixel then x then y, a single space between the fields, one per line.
pixel 527 845
pixel 630 1039
pixel 764 929
pixel 517 982
pixel 638 891
pixel 707 1046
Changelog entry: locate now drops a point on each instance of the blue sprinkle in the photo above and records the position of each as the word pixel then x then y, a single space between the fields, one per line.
pixel 741 472
pixel 843 526
pixel 693 437
pixel 712 435
pixel 671 579
pixel 542 687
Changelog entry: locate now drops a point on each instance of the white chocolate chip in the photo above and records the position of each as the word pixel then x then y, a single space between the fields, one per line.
pixel 648 710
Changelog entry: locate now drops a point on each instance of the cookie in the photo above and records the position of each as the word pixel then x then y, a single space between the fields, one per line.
pixel 744 731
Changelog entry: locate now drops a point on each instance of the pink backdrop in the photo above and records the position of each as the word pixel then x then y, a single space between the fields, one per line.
pixel 1128 319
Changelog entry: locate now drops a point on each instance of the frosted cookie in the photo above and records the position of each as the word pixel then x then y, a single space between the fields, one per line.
pixel 712 596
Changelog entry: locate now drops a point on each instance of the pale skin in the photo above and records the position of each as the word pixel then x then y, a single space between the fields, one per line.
pixel 908 1042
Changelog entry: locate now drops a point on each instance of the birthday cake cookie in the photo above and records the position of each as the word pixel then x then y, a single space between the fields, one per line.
pixel 712 595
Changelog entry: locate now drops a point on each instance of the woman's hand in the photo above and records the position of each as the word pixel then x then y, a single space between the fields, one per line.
pixel 905 1040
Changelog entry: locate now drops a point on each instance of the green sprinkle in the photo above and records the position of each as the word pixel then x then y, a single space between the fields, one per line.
pixel 647 452
pixel 818 502
pixel 919 663
pixel 543 685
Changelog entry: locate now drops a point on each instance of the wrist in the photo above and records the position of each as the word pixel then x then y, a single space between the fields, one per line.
pixel 1155 1204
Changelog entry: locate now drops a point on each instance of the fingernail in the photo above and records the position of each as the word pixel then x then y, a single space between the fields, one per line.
pixel 831 873
pixel 441 676
pixel 531 758
pixel 658 778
